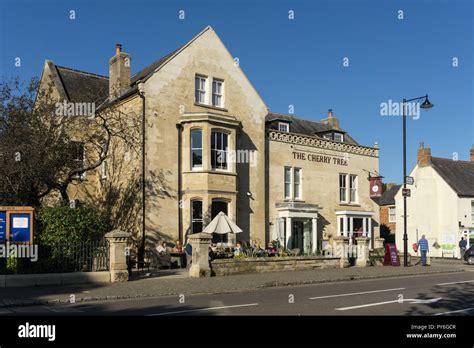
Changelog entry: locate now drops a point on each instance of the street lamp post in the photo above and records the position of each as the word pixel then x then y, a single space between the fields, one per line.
pixel 425 105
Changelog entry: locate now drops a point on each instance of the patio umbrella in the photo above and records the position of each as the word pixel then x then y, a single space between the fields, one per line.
pixel 222 224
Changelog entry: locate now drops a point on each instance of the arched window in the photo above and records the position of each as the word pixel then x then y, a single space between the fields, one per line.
pixel 196 148
pixel 219 144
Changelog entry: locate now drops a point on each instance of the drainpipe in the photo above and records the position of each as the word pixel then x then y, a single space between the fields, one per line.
pixel 141 254
pixel 180 236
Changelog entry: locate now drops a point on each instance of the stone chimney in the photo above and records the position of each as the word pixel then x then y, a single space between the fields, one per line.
pixel 472 153
pixel 331 120
pixel 424 156
pixel 119 72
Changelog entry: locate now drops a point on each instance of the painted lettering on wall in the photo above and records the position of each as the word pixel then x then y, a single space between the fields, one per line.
pixel 319 158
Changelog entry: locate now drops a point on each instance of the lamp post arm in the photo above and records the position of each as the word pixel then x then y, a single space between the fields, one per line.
pixel 412 99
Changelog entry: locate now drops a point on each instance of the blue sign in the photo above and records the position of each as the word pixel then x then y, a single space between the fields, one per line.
pixel 20 227
pixel 3 226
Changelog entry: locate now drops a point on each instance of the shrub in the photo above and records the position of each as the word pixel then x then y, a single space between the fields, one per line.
pixel 68 226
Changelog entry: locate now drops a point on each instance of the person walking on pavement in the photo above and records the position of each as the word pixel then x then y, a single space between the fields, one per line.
pixel 424 249
pixel 462 246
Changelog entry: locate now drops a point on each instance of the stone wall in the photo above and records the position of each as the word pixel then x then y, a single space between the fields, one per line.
pixel 222 267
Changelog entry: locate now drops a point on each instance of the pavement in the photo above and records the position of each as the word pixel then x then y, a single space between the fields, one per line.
pixel 182 286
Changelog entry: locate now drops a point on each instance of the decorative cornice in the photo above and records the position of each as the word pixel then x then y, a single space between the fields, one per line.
pixel 300 139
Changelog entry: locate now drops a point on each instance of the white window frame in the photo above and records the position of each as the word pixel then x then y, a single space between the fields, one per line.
pixel 285 125
pixel 297 190
pixel 289 183
pixel 214 93
pixel 338 134
pixel 352 187
pixel 197 166
pixel 392 214
pixel 343 189
pixel 198 91
pixel 221 151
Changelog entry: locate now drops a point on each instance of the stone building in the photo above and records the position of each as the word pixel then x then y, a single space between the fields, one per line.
pixel 210 144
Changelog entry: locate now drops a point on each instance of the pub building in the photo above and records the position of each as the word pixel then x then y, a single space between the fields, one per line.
pixel 211 145
pixel 318 184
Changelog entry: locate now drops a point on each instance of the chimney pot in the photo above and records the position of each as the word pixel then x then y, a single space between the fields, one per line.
pixel 329 113
pixel 118 49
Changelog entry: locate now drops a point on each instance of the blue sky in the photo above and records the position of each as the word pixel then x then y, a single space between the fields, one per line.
pixel 290 62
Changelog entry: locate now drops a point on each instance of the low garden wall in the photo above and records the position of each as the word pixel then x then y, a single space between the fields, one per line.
pixel 222 267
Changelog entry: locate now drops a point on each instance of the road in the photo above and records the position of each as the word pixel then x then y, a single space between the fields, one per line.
pixel 441 294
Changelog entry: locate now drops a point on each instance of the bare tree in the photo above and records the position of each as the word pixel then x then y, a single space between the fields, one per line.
pixel 41 146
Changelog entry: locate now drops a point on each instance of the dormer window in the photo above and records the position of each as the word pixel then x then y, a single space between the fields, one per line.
pixel 335 136
pixel 339 137
pixel 284 127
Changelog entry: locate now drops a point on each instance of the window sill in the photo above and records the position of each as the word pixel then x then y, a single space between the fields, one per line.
pixel 349 204
pixel 223 172
pixel 210 106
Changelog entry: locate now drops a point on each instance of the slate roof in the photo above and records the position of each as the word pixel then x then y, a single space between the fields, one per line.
pixel 388 197
pixel 306 127
pixel 81 86
pixel 457 174
pixel 148 71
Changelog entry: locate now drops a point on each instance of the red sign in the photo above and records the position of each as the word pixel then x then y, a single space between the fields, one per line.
pixel 375 186
pixel 406 192
pixel 391 256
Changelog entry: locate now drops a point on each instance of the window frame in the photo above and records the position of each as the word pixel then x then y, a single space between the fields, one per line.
pixel 297 193
pixel 286 126
pixel 338 134
pixel 196 220
pixel 80 145
pixel 285 183
pixel 343 189
pixel 192 149
pixel 217 151
pixel 221 95
pixel 390 214
pixel 353 191
pixel 197 89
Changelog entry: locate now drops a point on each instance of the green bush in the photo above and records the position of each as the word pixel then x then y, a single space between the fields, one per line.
pixel 68 226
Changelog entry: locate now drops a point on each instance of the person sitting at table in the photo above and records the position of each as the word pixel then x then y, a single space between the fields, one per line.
pixel 162 248
pixel 164 258
pixel 178 248
pixel 238 248
pixel 271 250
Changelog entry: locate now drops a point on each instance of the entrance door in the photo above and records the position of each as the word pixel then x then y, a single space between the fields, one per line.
pixel 297 236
